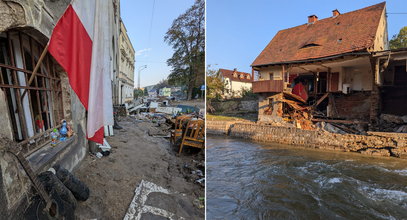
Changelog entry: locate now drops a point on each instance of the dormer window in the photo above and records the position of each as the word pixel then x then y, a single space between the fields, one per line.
pixel 248 76
pixel 309 45
pixel 235 75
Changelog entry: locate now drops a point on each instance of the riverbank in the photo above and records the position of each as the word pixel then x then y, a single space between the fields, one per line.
pixel 384 144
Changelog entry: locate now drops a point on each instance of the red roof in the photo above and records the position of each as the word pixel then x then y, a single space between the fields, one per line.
pixel 230 74
pixel 348 32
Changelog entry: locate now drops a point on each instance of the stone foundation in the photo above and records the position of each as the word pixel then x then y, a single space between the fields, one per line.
pixel 375 144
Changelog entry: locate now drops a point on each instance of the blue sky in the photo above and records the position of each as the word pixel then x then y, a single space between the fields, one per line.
pixel 237 31
pixel 151 51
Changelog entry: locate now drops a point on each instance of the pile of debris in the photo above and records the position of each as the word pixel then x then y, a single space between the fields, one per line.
pixel 301 114
pixel 393 123
pixel 195 172
pixel 159 105
pixel 296 112
pixel 183 125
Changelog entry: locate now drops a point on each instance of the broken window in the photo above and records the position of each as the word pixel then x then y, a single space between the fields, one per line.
pixel 35 109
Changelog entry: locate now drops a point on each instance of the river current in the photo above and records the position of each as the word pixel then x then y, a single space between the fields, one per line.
pixel 247 180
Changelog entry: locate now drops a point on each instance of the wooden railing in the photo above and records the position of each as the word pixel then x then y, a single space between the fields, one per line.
pixel 268 86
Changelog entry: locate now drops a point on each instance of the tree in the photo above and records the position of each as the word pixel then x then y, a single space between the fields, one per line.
pixel 163 83
pixel 137 93
pixel 399 40
pixel 214 84
pixel 187 38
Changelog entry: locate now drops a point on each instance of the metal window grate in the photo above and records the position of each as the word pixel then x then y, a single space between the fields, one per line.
pixel 34 115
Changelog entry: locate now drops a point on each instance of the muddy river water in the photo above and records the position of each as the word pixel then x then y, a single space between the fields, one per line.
pixel 247 180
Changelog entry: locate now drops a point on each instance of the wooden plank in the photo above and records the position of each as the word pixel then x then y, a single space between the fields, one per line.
pixel 295 97
pixel 321 99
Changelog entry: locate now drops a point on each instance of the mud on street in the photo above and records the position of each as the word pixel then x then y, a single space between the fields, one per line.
pixel 137 157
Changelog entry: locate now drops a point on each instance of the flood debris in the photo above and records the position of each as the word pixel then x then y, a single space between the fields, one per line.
pixel 295 112
pixel 183 124
pixel 64 189
pixel 79 189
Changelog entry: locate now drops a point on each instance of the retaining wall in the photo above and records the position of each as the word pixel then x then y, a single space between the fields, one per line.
pixel 380 144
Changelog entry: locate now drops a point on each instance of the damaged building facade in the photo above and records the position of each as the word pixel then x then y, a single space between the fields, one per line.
pixel 338 69
pixel 31 111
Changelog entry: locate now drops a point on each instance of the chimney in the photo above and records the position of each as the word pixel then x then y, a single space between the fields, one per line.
pixel 335 13
pixel 312 19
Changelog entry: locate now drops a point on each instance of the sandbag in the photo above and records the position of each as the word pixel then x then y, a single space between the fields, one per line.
pixel 66 202
pixel 79 189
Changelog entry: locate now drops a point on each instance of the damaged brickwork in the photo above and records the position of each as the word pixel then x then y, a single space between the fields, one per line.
pixel 375 144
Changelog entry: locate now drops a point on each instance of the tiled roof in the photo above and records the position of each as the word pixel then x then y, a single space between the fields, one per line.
pixel 348 32
pixel 229 74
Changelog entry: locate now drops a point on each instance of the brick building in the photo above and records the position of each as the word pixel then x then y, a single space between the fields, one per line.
pixel 340 66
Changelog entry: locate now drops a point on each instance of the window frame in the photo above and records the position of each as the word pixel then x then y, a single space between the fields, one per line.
pixel 43 97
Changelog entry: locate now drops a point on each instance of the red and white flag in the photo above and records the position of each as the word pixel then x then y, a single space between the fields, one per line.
pixel 81 44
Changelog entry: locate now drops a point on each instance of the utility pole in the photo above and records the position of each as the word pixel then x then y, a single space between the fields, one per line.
pixel 139 71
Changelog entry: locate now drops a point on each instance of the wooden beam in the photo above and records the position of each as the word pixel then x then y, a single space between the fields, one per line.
pixel 295 97
pixel 321 99
pixel 37 66
pixel 339 121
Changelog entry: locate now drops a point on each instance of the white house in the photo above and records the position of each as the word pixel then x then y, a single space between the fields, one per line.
pixel 235 82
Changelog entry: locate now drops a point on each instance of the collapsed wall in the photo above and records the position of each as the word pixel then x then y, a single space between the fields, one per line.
pixel 375 143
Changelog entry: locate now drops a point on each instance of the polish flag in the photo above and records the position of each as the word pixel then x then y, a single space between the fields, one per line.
pixel 81 43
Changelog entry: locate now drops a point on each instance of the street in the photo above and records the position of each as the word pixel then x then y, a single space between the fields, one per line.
pixel 137 157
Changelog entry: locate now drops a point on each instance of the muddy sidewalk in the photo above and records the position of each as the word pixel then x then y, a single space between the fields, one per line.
pixel 165 181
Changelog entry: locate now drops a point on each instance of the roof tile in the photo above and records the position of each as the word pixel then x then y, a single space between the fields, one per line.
pixel 348 32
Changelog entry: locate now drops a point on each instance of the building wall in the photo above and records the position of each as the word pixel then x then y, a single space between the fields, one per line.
pixel 276 70
pixel 235 87
pixel 238 86
pixel 127 59
pixel 381 41
pixel 115 22
pixel 360 78
pixel 270 108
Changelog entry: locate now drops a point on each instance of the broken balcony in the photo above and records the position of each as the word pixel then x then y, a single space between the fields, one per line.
pixel 268 86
